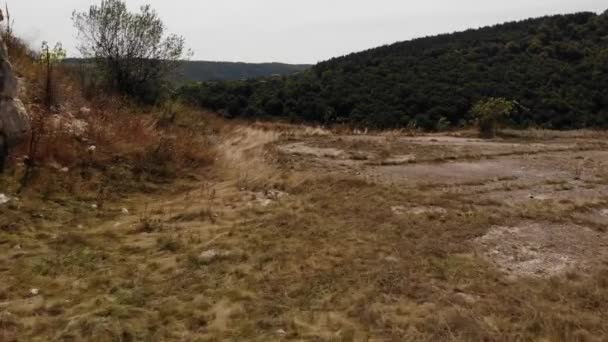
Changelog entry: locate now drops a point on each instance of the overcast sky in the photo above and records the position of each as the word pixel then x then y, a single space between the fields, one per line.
pixel 294 31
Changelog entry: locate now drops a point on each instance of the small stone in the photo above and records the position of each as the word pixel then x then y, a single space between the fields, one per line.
pixel 92 149
pixel 281 332
pixel 467 298
pixel 85 110
pixel 398 209
pixel 34 292
pixel 125 211
pixel 266 202
pixel 212 255
pixel 4 199
pixel 391 258
pixel 65 169
pixel 94 206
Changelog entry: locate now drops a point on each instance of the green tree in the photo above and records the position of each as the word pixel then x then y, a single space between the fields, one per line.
pixel 130 49
pixel 49 58
pixel 489 113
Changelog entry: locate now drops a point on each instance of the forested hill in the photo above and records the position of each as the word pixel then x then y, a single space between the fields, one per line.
pixel 200 71
pixel 556 67
pixel 223 71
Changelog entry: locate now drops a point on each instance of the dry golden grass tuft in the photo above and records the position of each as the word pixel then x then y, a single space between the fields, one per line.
pixel 243 157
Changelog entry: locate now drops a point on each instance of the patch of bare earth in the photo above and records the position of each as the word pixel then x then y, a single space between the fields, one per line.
pixel 543 249
pixel 441 159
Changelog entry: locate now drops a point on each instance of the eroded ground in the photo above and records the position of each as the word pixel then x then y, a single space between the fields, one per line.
pixel 324 237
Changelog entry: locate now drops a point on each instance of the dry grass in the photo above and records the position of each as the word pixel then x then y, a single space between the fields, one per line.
pixel 330 261
pixel 219 253
pixel 545 134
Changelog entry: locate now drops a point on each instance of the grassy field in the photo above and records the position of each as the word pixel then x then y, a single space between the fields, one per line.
pixel 297 233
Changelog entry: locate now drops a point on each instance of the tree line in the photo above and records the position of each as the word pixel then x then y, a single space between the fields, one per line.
pixel 554 67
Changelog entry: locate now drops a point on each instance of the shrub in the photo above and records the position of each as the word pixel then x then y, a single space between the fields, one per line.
pixel 489 113
pixel 130 48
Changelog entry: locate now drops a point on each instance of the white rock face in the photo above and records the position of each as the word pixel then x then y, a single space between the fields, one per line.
pixel 8 82
pixel 13 120
pixel 14 124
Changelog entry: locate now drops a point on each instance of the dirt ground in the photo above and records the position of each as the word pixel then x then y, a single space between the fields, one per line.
pixel 308 235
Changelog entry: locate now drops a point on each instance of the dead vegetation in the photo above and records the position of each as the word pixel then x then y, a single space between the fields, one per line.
pixel 106 144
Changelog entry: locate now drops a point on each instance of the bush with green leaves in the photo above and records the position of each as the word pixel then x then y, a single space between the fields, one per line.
pixel 130 49
pixel 489 113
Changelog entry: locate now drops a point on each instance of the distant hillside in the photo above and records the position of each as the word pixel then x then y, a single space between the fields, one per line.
pixel 555 66
pixel 225 71
pixel 200 71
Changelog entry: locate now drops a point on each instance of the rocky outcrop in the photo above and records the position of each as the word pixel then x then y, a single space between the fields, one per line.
pixel 13 116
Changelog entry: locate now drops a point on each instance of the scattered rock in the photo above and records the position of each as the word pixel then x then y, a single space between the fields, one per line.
pixel 281 332
pixel 34 292
pixel 94 206
pixel 125 211
pixel 391 258
pixel 265 202
pixel 4 199
pixel 267 197
pixel 65 169
pixel 604 212
pixel 542 249
pixel 85 111
pixel 467 298
pixel 66 122
pixel 398 160
pixel 212 255
pixel 398 210
pixel 92 149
